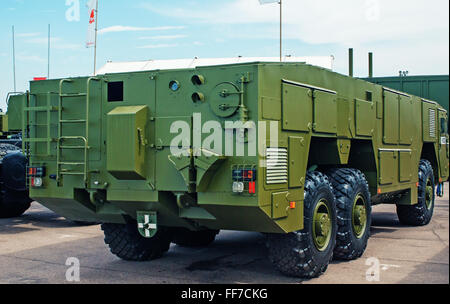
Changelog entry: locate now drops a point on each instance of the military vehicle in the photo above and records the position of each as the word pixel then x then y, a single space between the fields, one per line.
pixel 14 200
pixel 149 155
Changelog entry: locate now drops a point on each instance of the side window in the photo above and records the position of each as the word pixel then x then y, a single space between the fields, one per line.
pixel 115 91
pixel 444 126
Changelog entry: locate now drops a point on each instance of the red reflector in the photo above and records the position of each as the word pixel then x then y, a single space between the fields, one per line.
pixel 39 78
pixel 252 187
pixel 32 182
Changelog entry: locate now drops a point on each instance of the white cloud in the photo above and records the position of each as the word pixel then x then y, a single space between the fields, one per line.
pixel 27 35
pixel 157 46
pixel 327 21
pixel 163 37
pixel 55 43
pixel 31 58
pixel 121 28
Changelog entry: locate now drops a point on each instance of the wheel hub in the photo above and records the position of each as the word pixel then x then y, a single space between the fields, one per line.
pixel 359 216
pixel 429 191
pixel 322 226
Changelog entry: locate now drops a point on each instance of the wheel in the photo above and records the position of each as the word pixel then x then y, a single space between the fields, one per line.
pixel 13 203
pixel 308 252
pixel 421 213
pixel 186 238
pixel 354 210
pixel 126 243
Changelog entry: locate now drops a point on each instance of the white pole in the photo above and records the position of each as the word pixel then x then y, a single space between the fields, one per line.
pixel 281 30
pixel 14 59
pixel 95 46
pixel 48 66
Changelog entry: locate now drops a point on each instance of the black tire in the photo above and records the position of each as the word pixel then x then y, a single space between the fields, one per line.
pixel 296 254
pixel 187 238
pixel 351 190
pixel 13 203
pixel 420 214
pixel 126 243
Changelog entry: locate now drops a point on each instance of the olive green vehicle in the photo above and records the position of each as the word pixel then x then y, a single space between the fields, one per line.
pixel 330 147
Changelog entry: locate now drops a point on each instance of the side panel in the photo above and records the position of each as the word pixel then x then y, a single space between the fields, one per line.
pixel 365 117
pixel 388 167
pixel 297 108
pixel 405 166
pixel 406 121
pixel 391 115
pixel 297 161
pixel 325 112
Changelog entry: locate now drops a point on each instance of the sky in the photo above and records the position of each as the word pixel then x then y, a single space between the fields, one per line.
pixel 404 35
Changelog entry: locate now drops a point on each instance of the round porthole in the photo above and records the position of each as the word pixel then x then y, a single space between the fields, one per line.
pixel 174 85
pixel 198 97
pixel 198 80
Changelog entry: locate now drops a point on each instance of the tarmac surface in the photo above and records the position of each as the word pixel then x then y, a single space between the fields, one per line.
pixel 35 248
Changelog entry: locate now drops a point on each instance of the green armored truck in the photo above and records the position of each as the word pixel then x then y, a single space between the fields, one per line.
pixel 294 151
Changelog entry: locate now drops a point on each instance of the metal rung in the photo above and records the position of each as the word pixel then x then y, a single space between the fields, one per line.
pixel 73 137
pixel 40 109
pixel 38 140
pixel 47 93
pixel 71 173
pixel 73 121
pixel 73 147
pixel 73 95
pixel 70 164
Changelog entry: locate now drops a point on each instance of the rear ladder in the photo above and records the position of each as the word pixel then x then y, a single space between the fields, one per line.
pixel 83 145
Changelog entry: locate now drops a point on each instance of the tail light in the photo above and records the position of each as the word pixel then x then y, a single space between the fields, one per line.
pixel 244 179
pixel 36 175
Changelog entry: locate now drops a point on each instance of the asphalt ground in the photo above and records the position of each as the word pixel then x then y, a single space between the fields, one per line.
pixel 35 248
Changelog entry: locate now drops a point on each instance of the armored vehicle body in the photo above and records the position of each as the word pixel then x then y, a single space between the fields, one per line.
pixel 294 151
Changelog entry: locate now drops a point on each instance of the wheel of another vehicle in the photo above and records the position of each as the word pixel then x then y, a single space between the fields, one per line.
pixel 307 253
pixel 187 238
pixel 13 203
pixel 354 210
pixel 421 213
pixel 125 241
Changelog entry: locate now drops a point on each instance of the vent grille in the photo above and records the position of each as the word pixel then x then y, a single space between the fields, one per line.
pixel 277 166
pixel 432 115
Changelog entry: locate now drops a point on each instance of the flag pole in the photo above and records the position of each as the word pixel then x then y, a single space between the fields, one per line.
pixel 14 59
pixel 281 30
pixel 48 63
pixel 95 46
